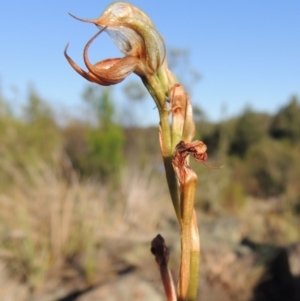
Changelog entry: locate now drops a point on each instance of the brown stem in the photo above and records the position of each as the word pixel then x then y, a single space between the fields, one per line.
pixel 161 253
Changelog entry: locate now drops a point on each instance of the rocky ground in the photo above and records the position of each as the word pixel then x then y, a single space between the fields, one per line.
pixel 235 265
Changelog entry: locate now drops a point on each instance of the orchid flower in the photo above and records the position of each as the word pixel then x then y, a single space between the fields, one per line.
pixel 136 37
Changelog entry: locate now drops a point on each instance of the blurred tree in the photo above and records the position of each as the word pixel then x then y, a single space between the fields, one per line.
pixel 211 135
pixel 2 102
pixel 36 109
pixel 250 128
pixel 268 168
pixel 105 151
pixel 27 142
pixel 199 115
pixel 41 133
pixel 97 148
pixel 218 138
pixel 200 121
pixel 101 104
pixel 5 105
pixel 286 123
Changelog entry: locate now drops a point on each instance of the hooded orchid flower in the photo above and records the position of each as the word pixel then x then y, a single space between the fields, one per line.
pixel 136 37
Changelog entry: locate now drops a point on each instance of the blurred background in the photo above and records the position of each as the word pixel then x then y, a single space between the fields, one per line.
pixel 82 185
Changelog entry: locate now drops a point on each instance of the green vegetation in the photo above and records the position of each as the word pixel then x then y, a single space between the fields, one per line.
pixel 260 151
pixel 96 149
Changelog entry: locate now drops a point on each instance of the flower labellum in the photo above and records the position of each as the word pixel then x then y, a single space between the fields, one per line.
pixel 197 149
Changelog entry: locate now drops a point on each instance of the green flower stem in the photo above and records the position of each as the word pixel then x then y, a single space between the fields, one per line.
pixel 167 78
pixel 159 94
pixel 167 158
pixel 156 90
pixel 172 185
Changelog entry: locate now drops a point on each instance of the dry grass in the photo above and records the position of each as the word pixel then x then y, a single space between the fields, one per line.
pixel 46 221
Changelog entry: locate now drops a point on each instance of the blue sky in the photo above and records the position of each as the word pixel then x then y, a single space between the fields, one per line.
pixel 248 52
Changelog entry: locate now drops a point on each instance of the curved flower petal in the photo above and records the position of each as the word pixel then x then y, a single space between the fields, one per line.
pixel 117 71
pixel 106 72
pixel 134 34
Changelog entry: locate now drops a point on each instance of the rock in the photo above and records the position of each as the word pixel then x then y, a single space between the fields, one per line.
pixel 11 289
pixel 277 282
pixel 126 288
